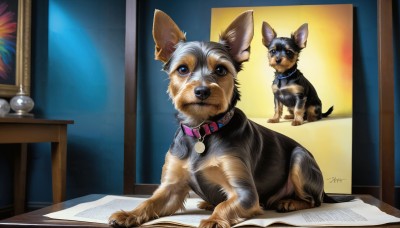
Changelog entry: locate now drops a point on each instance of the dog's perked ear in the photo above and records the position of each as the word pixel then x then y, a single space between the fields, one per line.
pixel 238 36
pixel 166 35
pixel 268 34
pixel 300 36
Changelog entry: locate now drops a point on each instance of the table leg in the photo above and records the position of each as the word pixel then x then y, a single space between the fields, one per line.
pixel 59 167
pixel 20 179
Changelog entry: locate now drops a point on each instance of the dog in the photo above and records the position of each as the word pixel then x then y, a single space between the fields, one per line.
pixel 290 87
pixel 236 166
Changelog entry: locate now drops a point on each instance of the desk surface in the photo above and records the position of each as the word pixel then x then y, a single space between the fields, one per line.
pixel 32 130
pixel 18 120
pixel 36 218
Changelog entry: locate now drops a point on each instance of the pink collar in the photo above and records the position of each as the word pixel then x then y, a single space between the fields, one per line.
pixel 208 128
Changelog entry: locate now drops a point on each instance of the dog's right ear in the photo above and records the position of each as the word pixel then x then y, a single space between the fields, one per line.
pixel 166 35
pixel 268 34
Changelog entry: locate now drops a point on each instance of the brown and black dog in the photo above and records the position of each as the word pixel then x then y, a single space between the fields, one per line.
pixel 235 165
pixel 290 87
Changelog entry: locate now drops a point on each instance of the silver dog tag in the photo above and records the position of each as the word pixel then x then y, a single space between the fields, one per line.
pixel 199 147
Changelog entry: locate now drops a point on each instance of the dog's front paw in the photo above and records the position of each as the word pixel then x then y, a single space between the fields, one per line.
pixel 273 120
pixel 214 223
pixel 126 219
pixel 297 122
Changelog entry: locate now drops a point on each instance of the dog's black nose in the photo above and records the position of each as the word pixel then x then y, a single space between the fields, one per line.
pixel 278 60
pixel 202 92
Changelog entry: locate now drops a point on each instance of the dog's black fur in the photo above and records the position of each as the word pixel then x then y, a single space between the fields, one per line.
pixel 244 165
pixel 290 87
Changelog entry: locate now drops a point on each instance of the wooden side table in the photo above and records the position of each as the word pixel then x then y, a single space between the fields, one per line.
pixel 31 130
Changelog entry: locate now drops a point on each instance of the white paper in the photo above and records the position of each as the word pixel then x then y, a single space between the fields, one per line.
pixel 354 213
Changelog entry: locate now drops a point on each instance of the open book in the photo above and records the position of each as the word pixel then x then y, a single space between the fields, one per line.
pixel 354 213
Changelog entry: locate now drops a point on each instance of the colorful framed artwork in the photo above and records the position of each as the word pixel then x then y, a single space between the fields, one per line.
pixel 327 62
pixel 15 46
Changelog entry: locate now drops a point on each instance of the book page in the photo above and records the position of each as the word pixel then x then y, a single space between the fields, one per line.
pixel 354 213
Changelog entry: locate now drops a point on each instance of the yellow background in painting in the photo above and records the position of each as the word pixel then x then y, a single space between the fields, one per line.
pixel 326 62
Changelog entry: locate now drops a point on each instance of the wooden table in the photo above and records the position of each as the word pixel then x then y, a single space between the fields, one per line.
pixel 36 218
pixel 31 130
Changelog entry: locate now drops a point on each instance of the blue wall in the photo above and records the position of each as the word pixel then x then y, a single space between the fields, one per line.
pixel 78 74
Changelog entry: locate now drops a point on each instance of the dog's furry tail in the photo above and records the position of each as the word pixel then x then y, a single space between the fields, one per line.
pixel 337 198
pixel 327 113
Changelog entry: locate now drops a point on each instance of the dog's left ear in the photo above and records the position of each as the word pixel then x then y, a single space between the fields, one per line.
pixel 238 36
pixel 300 36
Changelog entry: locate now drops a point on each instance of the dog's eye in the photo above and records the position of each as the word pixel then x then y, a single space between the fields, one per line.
pixel 220 70
pixel 273 51
pixel 183 70
pixel 289 52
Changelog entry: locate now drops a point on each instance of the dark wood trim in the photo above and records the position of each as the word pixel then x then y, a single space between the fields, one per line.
pixel 369 190
pixel 6 212
pixel 145 189
pixel 386 100
pixel 130 97
pixel 13 120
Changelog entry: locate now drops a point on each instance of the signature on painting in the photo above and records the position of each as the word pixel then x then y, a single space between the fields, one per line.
pixel 335 180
